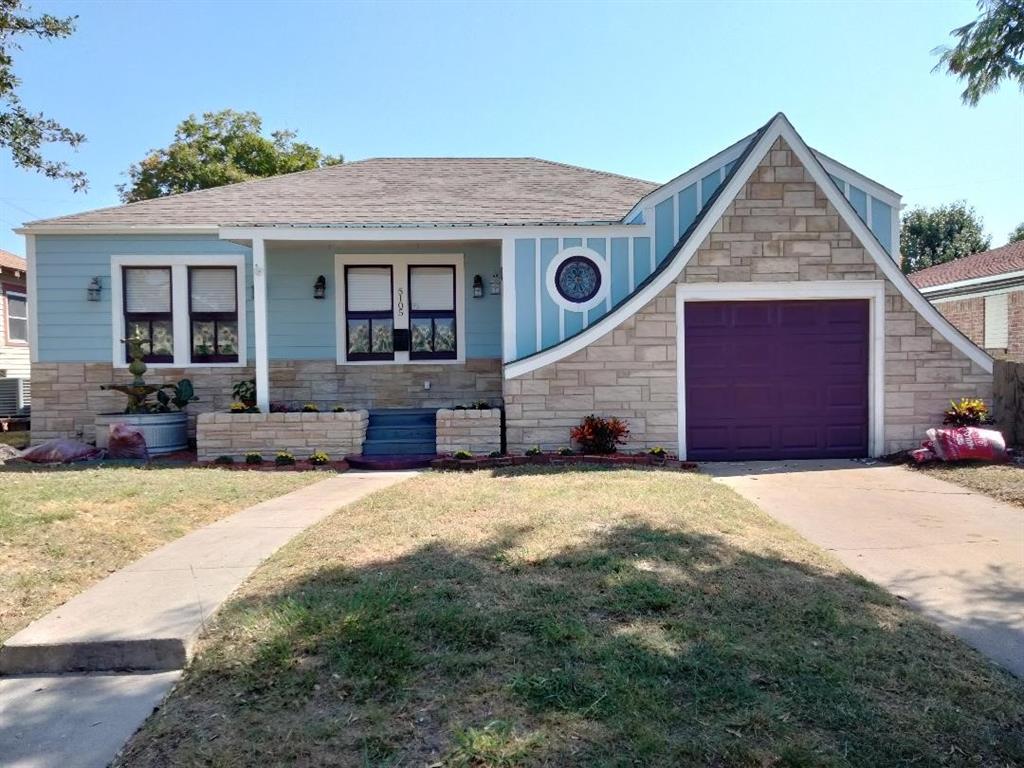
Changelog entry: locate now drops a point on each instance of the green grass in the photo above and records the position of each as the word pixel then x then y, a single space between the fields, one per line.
pixel 537 617
pixel 63 529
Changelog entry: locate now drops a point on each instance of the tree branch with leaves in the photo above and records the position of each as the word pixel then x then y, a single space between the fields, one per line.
pixel 990 49
pixel 22 132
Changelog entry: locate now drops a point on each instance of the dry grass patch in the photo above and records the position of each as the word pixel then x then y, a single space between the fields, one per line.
pixel 1000 481
pixel 63 530
pixel 540 617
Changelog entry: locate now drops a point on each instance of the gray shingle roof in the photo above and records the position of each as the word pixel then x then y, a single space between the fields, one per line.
pixel 439 190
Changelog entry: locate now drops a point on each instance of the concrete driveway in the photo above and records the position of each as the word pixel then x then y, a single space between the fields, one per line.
pixel 956 555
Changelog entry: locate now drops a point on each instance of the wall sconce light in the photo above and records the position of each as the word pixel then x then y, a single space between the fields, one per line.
pixel 320 287
pixel 92 291
pixel 478 287
pixel 496 284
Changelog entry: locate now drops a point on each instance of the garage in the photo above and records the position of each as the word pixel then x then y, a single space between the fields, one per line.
pixel 776 379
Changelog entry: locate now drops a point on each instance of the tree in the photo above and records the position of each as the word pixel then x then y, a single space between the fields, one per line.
pixel 990 50
pixel 22 132
pixel 1017 235
pixel 935 236
pixel 221 148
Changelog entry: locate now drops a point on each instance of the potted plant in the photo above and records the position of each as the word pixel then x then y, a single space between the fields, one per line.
pixel 158 411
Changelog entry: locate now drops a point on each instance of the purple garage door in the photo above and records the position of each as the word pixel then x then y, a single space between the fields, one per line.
pixel 776 379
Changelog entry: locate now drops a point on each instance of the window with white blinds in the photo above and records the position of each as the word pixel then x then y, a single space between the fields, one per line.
pixel 213 314
pixel 432 288
pixel 213 289
pixel 368 289
pixel 147 290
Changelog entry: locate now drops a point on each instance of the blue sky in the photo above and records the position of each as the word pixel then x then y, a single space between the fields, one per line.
pixel 646 90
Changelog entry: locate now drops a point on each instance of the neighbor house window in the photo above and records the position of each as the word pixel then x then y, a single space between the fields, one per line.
pixel 213 314
pixel 17 318
pixel 148 316
pixel 370 323
pixel 432 313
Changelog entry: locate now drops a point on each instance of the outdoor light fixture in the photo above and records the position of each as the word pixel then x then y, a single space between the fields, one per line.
pixel 92 291
pixel 496 284
pixel 478 287
pixel 320 287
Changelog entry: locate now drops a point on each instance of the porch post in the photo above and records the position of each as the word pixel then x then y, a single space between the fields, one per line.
pixel 259 295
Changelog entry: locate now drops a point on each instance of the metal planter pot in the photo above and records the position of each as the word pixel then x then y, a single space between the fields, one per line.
pixel 164 432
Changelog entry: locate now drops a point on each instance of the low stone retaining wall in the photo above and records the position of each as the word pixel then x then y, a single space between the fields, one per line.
pixel 235 434
pixel 476 431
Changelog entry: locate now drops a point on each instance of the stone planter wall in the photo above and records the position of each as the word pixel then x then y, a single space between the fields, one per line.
pixel 476 431
pixel 235 434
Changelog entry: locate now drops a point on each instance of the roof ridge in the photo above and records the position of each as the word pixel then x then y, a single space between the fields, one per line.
pixel 593 170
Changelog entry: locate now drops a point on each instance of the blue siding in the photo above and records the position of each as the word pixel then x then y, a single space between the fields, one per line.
pixel 74 330
pixel 641 259
pixel 549 311
pixel 708 185
pixel 526 298
pixel 688 208
pixel 596 313
pixel 664 214
pixel 619 269
pixel 881 223
pixel 300 327
pixel 859 201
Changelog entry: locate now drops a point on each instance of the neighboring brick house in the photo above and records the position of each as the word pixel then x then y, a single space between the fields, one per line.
pixel 751 307
pixel 983 296
pixel 14 335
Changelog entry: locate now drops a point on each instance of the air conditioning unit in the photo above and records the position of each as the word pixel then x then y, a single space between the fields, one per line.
pixel 15 396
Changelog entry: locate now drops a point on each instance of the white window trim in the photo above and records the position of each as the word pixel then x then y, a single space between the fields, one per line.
pixel 400 264
pixel 810 290
pixel 179 305
pixel 8 339
pixel 552 290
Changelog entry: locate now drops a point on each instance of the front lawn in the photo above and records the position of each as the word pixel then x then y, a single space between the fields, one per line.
pixel 1000 481
pixel 62 530
pixel 536 616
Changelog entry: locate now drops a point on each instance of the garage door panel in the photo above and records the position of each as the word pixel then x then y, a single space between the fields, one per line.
pixel 776 379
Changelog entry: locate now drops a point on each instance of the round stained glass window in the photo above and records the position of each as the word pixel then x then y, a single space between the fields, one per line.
pixel 578 279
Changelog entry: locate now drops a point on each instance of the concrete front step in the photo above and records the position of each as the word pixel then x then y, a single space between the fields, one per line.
pixel 148 615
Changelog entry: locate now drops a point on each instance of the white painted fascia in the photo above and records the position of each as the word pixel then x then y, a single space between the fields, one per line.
pixel 779 127
pixel 32 299
pixel 433 234
pixel 974 281
pixel 683 180
pixel 845 172
pixel 803 290
pixel 117 229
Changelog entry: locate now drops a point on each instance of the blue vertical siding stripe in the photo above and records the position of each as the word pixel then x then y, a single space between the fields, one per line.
pixel 663 225
pixel 641 259
pixel 572 242
pixel 619 269
pixel 859 201
pixel 881 223
pixel 573 323
pixel 549 311
pixel 526 291
pixel 708 185
pixel 727 168
pixel 688 208
pixel 598 245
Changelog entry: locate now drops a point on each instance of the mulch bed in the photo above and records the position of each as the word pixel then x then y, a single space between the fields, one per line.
pixel 613 460
pixel 270 466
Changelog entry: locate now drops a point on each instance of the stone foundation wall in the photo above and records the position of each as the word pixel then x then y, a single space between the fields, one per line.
pixel 235 434
pixel 476 431
pixel 66 396
pixel 781 227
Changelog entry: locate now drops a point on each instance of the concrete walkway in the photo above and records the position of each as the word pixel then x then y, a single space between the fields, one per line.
pixel 144 617
pixel 954 554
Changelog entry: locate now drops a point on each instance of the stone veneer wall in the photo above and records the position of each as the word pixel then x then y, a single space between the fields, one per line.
pixel 476 431
pixel 968 315
pixel 66 396
pixel 781 227
pixel 235 434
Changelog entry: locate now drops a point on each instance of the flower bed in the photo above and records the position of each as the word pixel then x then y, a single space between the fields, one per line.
pixel 615 459
pixel 235 434
pixel 269 466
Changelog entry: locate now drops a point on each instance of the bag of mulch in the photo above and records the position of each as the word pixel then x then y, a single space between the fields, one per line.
pixel 127 442
pixel 967 444
pixel 61 450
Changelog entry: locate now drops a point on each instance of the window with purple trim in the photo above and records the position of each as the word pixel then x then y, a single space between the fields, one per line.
pixel 432 313
pixel 148 316
pixel 213 314
pixel 369 316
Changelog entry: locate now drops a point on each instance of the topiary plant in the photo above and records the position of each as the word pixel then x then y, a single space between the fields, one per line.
pixel 139 392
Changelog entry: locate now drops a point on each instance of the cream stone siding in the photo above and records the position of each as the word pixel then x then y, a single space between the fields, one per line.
pixel 475 430
pixel 780 227
pixel 67 396
pixel 235 434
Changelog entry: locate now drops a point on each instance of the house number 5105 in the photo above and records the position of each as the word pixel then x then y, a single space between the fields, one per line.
pixel 401 302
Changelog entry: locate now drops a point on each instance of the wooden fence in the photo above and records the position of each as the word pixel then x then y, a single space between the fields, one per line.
pixel 1008 400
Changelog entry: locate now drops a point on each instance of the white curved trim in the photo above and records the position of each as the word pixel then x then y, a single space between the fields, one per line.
pixel 564 255
pixel 778 127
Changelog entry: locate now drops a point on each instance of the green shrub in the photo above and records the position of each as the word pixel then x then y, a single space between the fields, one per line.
pixel 311 408
pixel 495 455
pixel 224 460
pixel 338 409
pixel 252 457
pixel 966 413
pixel 535 451
pixel 284 458
pixel 319 458
pixel 658 452
pixel 462 455
pixel 566 451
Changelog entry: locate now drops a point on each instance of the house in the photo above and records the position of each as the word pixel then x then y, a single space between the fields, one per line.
pixel 983 296
pixel 14 353
pixel 751 307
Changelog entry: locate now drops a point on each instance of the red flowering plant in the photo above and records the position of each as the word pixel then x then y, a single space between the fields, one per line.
pixel 597 435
